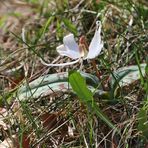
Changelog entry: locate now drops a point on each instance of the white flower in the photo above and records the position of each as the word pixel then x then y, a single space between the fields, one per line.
pixel 72 50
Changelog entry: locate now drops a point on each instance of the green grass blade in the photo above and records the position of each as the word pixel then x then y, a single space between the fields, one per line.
pixel 142 122
pixel 70 26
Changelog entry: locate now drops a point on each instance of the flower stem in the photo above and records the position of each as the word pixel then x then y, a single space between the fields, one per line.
pixel 97 73
pixel 84 45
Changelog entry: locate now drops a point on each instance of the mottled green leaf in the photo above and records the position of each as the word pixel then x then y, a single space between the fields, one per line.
pixel 126 75
pixel 52 83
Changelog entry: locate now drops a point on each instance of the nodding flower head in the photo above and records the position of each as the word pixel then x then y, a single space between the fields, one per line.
pixel 72 50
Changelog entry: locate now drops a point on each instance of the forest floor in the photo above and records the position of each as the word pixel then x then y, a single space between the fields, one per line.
pixel 71 106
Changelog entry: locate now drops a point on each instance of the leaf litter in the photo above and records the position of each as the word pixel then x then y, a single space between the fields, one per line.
pixel 59 119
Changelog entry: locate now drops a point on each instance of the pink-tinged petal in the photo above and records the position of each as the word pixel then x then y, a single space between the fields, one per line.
pixel 96 44
pixel 64 51
pixel 72 46
pixel 61 64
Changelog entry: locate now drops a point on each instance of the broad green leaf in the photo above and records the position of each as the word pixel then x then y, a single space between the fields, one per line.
pixel 78 84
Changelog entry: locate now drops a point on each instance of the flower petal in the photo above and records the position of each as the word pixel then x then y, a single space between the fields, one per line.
pixel 96 44
pixel 72 46
pixel 64 51
pixel 61 64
